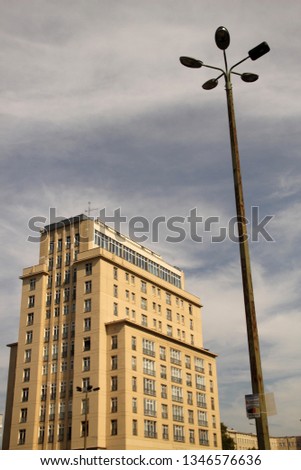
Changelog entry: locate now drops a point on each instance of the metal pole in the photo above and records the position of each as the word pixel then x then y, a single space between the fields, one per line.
pixel 86 420
pixel 253 340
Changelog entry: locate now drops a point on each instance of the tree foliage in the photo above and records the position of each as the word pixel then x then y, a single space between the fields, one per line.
pixel 227 441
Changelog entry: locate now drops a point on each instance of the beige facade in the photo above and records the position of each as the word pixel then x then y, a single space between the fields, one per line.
pixel 110 352
pixel 245 441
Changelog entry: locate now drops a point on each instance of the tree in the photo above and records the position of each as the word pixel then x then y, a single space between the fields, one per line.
pixel 227 441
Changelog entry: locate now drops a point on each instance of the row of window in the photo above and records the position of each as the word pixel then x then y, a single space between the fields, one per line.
pixel 150 431
pixel 136 258
pixel 59 245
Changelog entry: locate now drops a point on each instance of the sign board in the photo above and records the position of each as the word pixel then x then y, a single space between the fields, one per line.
pixel 252 406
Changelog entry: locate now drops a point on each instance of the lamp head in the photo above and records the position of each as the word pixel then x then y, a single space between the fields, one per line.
pixel 249 77
pixel 222 38
pixel 259 51
pixel 210 84
pixel 190 62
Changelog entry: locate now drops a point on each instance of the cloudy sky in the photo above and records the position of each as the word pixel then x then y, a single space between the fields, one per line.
pixel 95 106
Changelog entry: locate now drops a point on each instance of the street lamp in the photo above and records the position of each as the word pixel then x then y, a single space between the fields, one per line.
pixel 86 390
pixel 222 40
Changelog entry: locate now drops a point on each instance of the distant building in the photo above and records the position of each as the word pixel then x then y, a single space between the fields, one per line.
pixel 101 311
pixel 246 441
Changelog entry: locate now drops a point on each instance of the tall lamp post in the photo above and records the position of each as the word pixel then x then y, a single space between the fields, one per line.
pixel 222 40
pixel 86 390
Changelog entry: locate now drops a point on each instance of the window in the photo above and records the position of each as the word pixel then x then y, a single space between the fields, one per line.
pixel 176 375
pixel 115 290
pixel 67 259
pixel 200 382
pixel 56 330
pixel 175 356
pixel 87 305
pixel 115 273
pixel 163 391
pixel 65 330
pixel 203 437
pixel 199 364
pixel 114 428
pixel 84 428
pixel 114 405
pixel 86 364
pixel 150 407
pixel 178 433
pixel 143 303
pixel 150 429
pixel 164 411
pixel 135 427
pixel 88 269
pixel 53 391
pixel 149 386
pixel 134 405
pixel 187 362
pixel 169 330
pixel 202 418
pixel 143 287
pixel 28 338
pixel 27 355
pixel 190 417
pixel 29 319
pixel 188 380
pixel 168 314
pixel 115 309
pixel 59 261
pixel 114 383
pixel 88 287
pixel 58 279
pixel 191 436
pixel 68 242
pixel 134 384
pixel 22 436
pixel 165 431
pixel 134 363
pixel 148 366
pixel 191 324
pixel 31 300
pixel 143 320
pixel 162 353
pixel 26 375
pixel 177 413
pixel 148 347
pixel 114 342
pixel 177 393
pixel 114 362
pixel 61 432
pixel 23 415
pixel 163 374
pixel 201 400
pixel 134 343
pixel 168 298
pixel 87 344
pixel 25 394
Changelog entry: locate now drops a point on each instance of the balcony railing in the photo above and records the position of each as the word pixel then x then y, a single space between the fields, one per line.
pixel 151 434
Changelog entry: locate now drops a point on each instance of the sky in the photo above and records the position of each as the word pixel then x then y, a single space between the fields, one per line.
pixel 95 106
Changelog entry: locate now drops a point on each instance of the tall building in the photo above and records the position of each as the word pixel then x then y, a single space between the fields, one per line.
pixel 110 352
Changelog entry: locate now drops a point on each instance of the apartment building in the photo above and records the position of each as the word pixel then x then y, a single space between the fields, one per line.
pixel 110 350
pixel 245 441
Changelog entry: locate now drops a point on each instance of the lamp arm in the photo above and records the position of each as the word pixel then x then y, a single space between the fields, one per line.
pixel 238 63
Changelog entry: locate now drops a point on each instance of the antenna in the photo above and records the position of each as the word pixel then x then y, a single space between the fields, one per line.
pixel 89 210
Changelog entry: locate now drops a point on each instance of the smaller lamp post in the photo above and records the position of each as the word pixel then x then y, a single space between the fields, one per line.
pixel 86 390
